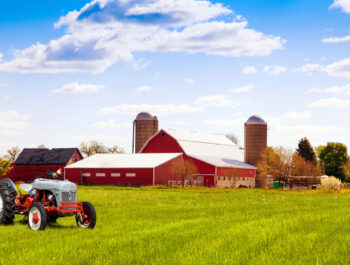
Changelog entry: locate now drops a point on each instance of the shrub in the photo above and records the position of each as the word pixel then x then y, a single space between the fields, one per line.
pixel 331 183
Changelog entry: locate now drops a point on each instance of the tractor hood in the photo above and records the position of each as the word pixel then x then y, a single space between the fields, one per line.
pixel 54 185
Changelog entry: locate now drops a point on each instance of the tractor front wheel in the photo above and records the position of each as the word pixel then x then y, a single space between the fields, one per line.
pixel 7 204
pixel 86 219
pixel 37 216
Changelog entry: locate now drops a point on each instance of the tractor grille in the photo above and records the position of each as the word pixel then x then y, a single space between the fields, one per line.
pixel 69 197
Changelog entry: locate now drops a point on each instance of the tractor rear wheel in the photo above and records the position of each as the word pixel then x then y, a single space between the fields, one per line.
pixel 37 216
pixel 88 218
pixel 7 204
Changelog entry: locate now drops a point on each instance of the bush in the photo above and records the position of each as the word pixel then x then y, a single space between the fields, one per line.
pixel 331 183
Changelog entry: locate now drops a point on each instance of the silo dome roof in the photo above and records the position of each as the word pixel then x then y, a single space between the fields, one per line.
pixel 255 119
pixel 145 116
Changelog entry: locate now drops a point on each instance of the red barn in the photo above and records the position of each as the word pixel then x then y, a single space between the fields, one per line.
pixel 214 155
pixel 125 169
pixel 35 162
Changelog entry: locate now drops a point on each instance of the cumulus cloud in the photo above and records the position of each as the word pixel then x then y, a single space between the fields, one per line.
pixel 228 122
pixel 336 39
pixel 218 100
pixel 189 81
pixel 158 109
pixel 77 88
pixel 242 89
pixel 342 90
pixel 307 68
pixel 111 124
pixel 331 103
pixel 275 70
pixel 343 4
pixel 106 31
pixel 143 88
pixel 249 70
pixel 13 122
pixel 339 69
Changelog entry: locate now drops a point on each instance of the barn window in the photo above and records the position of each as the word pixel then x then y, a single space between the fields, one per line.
pixel 243 179
pixel 115 174
pixel 218 178
pixel 131 174
pixel 163 134
pixel 100 174
pixel 86 174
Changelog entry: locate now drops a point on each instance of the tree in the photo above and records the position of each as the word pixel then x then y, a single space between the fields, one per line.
pixel 5 167
pixel 276 162
pixel 233 174
pixel 233 138
pixel 115 150
pixel 334 156
pixel 184 168
pixel 41 146
pixel 303 167
pixel 93 147
pixel 346 169
pixel 306 151
pixel 12 153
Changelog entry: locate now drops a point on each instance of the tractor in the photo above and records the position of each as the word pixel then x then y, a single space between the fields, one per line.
pixel 47 199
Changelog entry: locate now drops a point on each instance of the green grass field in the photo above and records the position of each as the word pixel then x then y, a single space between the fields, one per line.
pixel 191 226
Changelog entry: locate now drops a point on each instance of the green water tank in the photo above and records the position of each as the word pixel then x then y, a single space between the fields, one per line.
pixel 276 185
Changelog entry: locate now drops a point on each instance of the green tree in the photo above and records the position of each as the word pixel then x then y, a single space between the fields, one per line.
pixel 306 151
pixel 334 156
pixel 5 167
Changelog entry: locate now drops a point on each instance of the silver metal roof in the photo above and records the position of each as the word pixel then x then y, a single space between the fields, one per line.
pixel 145 116
pixel 255 119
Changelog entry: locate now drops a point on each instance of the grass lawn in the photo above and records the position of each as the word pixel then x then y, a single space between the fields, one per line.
pixel 191 226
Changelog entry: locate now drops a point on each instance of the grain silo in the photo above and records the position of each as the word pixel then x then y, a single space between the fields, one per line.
pixel 145 125
pixel 255 139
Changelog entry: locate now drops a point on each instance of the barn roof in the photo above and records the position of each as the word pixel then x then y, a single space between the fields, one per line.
pixel 199 144
pixel 39 156
pixel 138 160
pixel 224 162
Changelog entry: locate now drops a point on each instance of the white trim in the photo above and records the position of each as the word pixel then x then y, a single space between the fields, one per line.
pixel 154 177
pixel 115 175
pixel 130 175
pixel 100 175
pixel 86 174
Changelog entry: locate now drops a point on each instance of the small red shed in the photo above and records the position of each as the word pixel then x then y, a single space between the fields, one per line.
pixel 124 169
pixel 34 163
pixel 213 154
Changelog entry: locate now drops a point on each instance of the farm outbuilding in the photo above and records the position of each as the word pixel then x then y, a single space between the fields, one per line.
pixel 125 169
pixel 34 163
pixel 219 160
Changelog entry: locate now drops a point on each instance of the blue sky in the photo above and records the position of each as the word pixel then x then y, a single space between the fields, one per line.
pixel 78 70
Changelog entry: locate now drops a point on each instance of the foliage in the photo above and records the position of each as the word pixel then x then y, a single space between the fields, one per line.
pixel 331 183
pixel 306 151
pixel 334 156
pixel 346 169
pixel 233 138
pixel 5 167
pixel 233 174
pixel 276 162
pixel 95 147
pixel 303 167
pixel 12 153
pixel 42 146
pixel 184 168
pixel 190 226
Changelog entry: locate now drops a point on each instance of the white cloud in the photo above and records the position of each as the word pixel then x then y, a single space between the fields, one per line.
pixel 104 32
pixel 307 68
pixel 275 70
pixel 11 122
pixel 77 88
pixel 331 103
pixel 111 124
pixel 242 89
pixel 232 122
pixel 343 4
pixel 144 88
pixel 336 39
pixel 218 100
pixel 288 117
pixel 189 81
pixel 157 109
pixel 339 69
pixel 249 70
pixel 343 90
